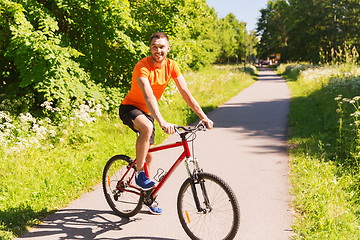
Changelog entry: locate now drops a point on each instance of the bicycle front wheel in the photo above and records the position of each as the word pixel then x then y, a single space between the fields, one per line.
pixel 219 213
pixel 124 198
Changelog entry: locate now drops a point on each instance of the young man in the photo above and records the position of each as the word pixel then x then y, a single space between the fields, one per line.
pixel 140 106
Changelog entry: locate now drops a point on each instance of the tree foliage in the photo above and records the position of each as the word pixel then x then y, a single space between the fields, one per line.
pixel 69 51
pixel 308 30
pixel 232 38
pixel 272 28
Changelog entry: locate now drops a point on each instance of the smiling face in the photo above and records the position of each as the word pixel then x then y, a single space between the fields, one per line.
pixel 159 48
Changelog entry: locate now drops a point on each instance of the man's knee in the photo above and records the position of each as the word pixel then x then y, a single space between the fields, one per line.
pixel 147 130
pixel 143 125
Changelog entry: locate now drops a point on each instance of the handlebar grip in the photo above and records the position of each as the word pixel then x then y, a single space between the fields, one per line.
pixel 202 126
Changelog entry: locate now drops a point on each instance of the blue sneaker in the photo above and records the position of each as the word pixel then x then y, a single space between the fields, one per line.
pixel 143 182
pixel 155 210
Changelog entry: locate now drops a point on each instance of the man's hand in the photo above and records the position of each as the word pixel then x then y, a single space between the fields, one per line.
pixel 168 127
pixel 208 122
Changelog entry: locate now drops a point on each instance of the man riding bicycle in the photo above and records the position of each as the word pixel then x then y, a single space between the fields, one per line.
pixel 140 106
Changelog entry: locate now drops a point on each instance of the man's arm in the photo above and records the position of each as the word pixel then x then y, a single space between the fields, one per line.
pixel 152 104
pixel 190 100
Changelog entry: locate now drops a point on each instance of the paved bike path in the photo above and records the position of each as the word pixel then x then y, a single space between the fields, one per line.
pixel 247 148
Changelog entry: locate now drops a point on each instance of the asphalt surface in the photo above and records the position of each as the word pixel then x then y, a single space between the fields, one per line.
pixel 247 148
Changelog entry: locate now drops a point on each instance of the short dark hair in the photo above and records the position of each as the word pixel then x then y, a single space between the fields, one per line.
pixel 158 35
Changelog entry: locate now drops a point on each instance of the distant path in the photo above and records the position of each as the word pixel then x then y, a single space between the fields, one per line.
pixel 247 148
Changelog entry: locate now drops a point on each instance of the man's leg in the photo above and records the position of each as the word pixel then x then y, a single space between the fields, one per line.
pixel 145 128
pixel 148 161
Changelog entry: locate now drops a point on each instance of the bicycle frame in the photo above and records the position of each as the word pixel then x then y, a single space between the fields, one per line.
pixel 150 197
pixel 184 155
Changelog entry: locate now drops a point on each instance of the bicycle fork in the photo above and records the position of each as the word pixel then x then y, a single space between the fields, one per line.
pixel 194 179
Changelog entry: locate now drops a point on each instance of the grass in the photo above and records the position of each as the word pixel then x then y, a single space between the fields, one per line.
pixel 324 172
pixel 35 182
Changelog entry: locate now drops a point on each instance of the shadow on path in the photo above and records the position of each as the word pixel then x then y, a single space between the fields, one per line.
pixel 258 118
pixel 84 224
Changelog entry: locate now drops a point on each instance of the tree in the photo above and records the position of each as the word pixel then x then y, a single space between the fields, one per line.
pixel 231 38
pixel 38 68
pixel 189 23
pixel 70 51
pixel 308 30
pixel 272 27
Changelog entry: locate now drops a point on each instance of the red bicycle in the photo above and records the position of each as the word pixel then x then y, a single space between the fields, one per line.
pixel 206 205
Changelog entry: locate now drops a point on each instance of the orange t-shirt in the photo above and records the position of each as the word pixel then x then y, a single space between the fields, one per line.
pixel 158 78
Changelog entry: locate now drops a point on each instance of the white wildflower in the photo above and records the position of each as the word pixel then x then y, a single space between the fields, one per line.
pixel 47 105
pixel 98 108
pixel 34 142
pixel 40 131
pixel 48 120
pixel 27 118
pixel 52 133
pixel 5 116
pixel 355 114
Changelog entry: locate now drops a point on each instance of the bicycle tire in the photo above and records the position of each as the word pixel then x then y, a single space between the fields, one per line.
pixel 222 222
pixel 122 197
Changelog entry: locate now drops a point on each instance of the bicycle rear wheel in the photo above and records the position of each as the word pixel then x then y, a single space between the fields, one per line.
pixel 220 214
pixel 118 183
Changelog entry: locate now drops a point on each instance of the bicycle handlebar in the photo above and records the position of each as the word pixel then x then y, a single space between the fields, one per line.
pixel 181 130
